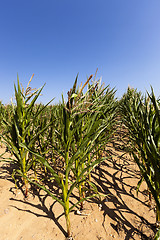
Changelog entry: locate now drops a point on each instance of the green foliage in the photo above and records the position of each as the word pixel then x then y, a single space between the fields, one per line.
pixel 80 127
pixel 62 141
pixel 141 116
pixel 20 128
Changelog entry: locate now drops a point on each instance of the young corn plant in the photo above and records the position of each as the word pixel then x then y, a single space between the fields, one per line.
pixel 21 129
pixel 142 118
pixel 97 105
pixel 63 179
pixel 73 152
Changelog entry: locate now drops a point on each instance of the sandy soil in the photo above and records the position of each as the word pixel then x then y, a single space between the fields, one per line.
pixel 121 215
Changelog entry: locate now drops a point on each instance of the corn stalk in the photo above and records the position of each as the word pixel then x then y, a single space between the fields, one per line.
pixel 141 116
pixel 75 138
pixel 21 129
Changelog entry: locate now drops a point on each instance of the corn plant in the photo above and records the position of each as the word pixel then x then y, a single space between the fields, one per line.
pixel 21 128
pixel 65 183
pixel 75 138
pixel 96 104
pixel 142 117
pixel 1 111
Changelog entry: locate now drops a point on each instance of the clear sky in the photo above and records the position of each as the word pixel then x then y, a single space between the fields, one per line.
pixel 56 39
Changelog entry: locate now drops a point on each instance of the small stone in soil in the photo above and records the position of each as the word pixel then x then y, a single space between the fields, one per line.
pixel 6 211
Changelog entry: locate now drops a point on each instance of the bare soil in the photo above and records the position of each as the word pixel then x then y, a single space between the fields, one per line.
pixel 120 215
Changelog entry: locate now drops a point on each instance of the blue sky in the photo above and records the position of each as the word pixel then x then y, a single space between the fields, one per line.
pixel 56 39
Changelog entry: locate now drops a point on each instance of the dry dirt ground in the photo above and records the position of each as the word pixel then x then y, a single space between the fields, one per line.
pixel 120 215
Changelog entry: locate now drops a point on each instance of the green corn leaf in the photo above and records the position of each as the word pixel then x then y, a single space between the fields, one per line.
pixel 47 190
pixel 157 236
pixel 45 163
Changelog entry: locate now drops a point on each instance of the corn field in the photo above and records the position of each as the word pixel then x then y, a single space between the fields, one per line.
pixel 141 116
pixel 64 143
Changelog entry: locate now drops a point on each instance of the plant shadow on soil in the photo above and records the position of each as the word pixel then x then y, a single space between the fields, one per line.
pixel 6 172
pixel 105 181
